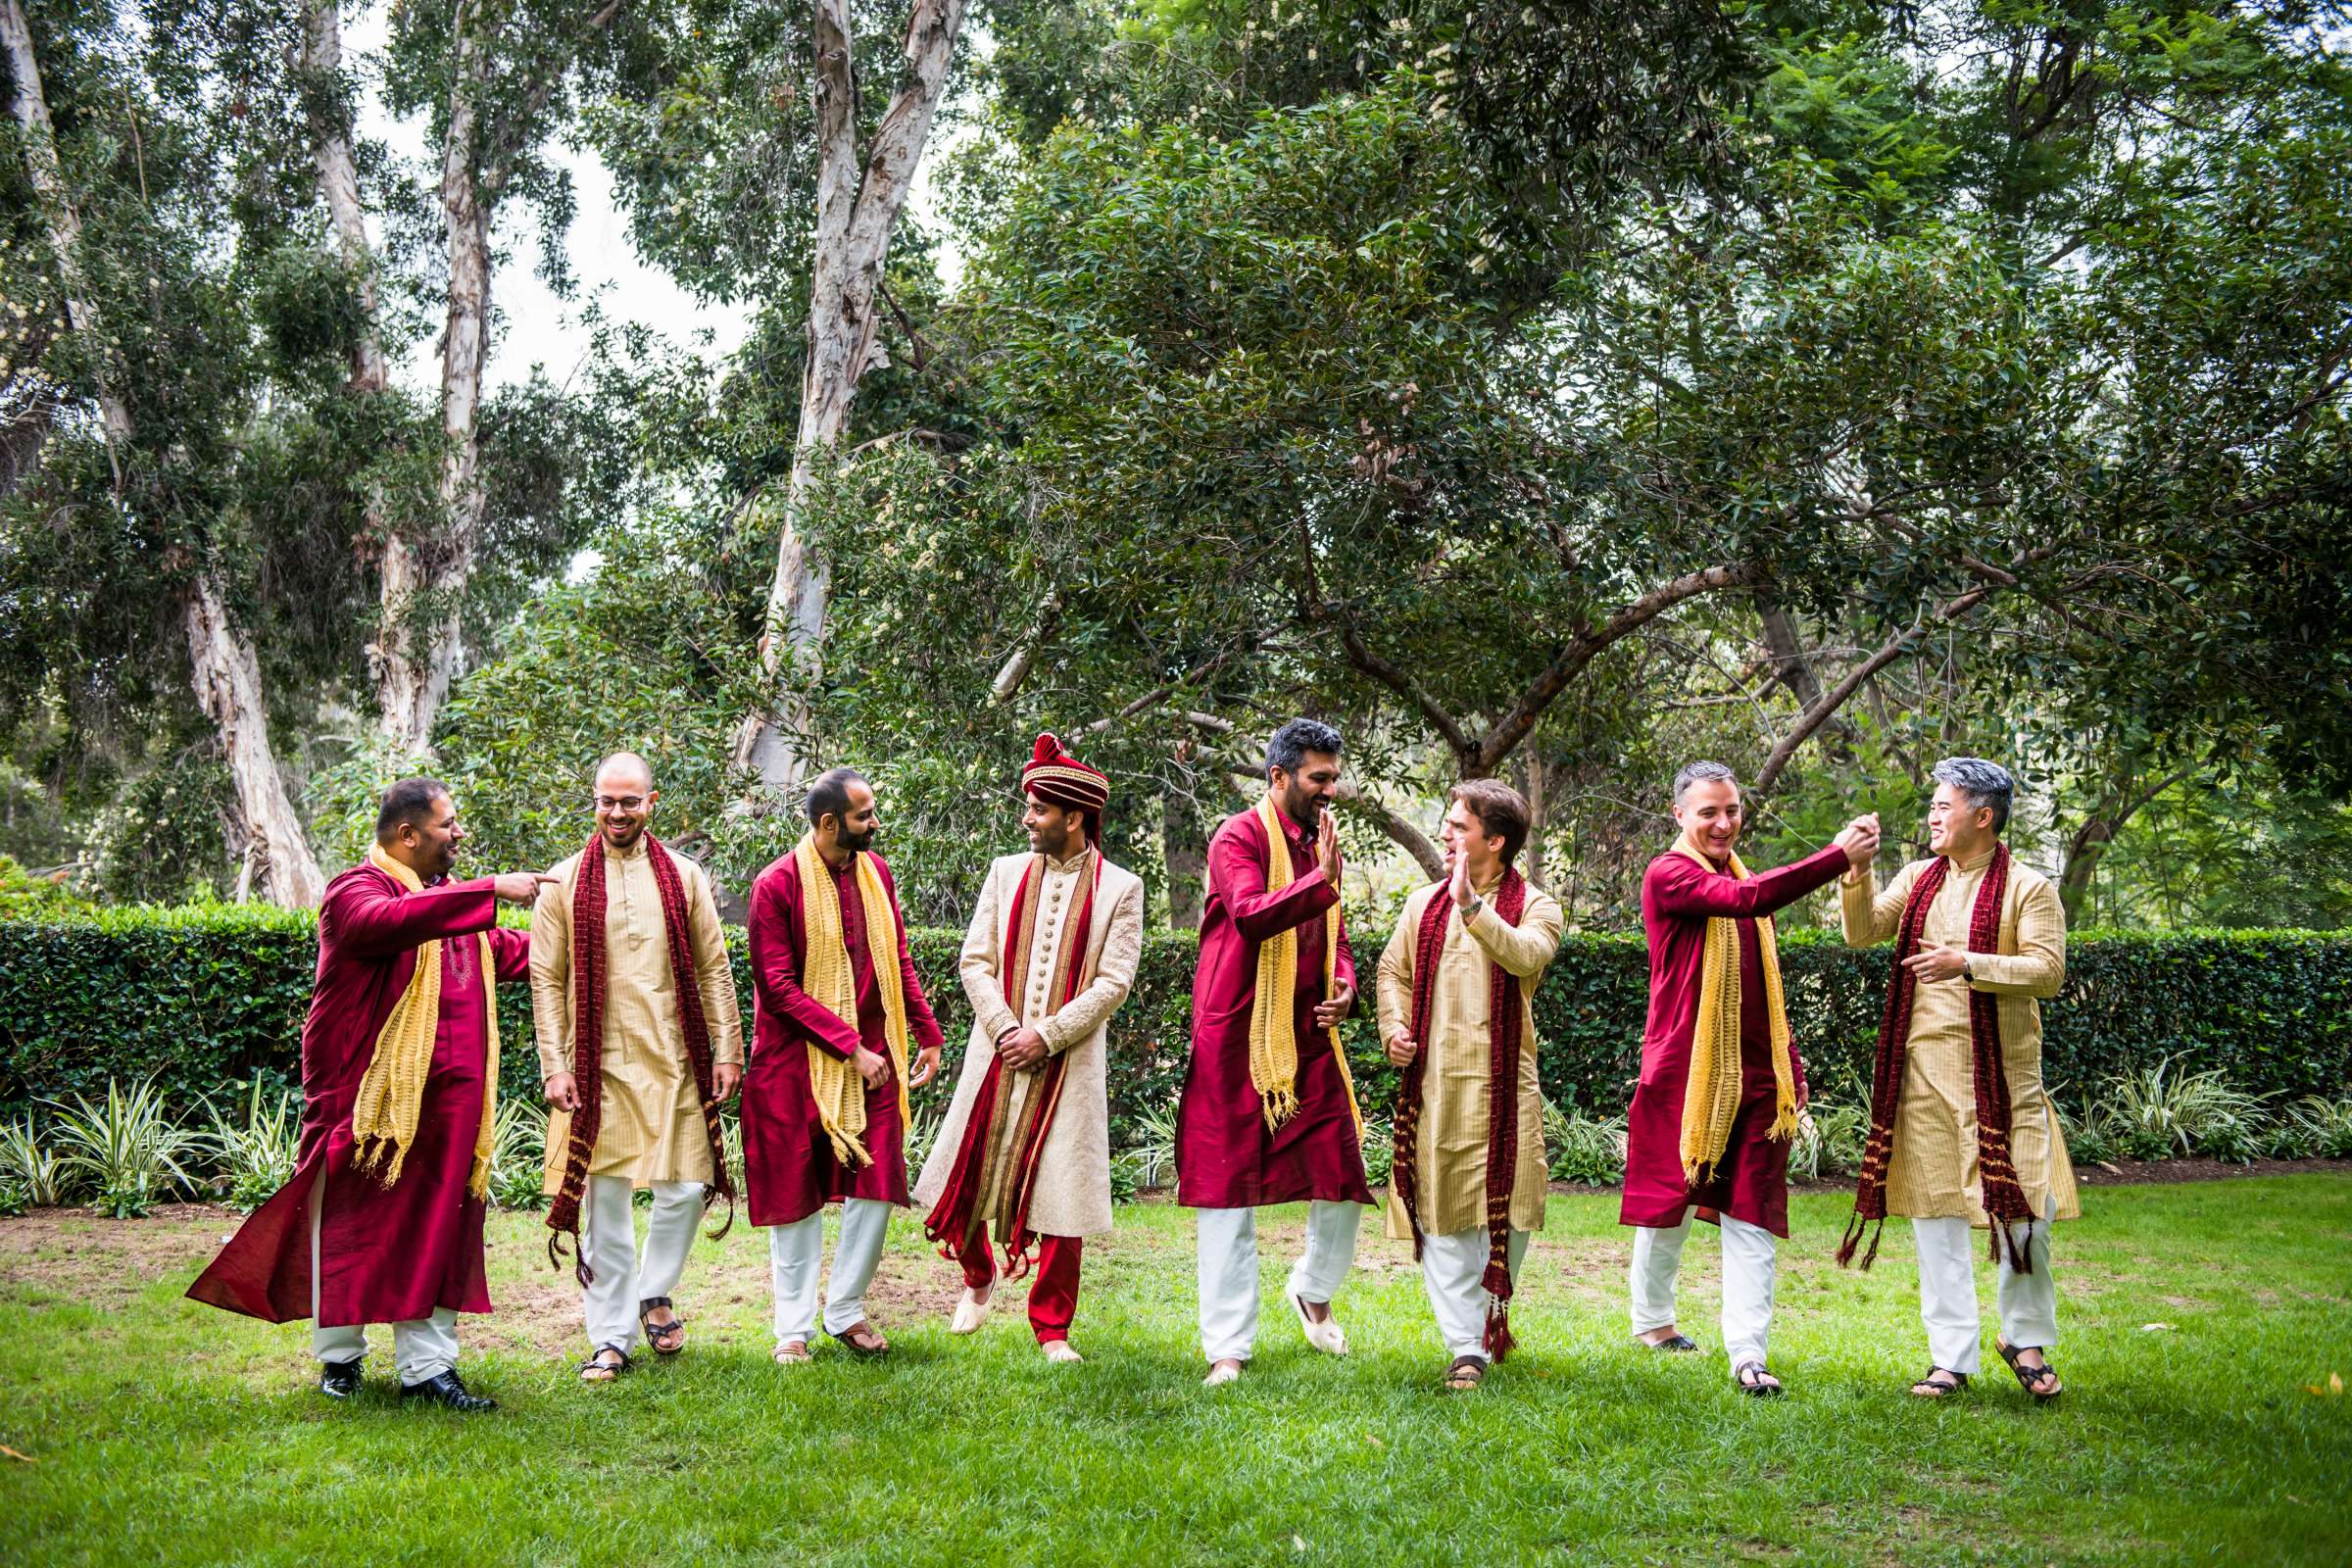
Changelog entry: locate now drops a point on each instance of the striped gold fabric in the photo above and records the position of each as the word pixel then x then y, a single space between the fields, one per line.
pixel 652 1115
pixel 1933 1174
pixel 1457 1082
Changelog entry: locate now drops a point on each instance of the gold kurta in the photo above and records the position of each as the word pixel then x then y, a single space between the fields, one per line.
pixel 653 1113
pixel 1934 1171
pixel 1457 1074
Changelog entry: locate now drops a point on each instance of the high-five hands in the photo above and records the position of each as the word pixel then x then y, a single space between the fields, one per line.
pixel 1860 841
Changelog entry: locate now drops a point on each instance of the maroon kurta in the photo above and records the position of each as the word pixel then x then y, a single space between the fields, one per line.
pixel 385 1254
pixel 1225 1158
pixel 1751 1182
pixel 788 1161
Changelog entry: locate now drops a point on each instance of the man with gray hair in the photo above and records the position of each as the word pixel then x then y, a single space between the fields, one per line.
pixel 1962 1132
pixel 1722 1084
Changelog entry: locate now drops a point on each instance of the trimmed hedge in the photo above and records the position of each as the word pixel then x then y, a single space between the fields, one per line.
pixel 210 998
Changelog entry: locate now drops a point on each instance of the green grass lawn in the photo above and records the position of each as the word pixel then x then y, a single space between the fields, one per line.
pixel 163 1432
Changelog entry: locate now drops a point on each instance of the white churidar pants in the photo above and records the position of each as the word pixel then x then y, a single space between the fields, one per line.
pixel 422 1348
pixel 1228 1241
pixel 1749 1270
pixel 623 1277
pixel 2028 1304
pixel 1453 1270
pixel 797 1251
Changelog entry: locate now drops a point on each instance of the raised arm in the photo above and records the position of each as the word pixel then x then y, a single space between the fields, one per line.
pixel 2038 968
pixel 714 969
pixel 551 970
pixel 366 916
pixel 1114 973
pixel 1685 888
pixel 1871 917
pixel 980 967
pixel 1525 949
pixel 776 973
pixel 1236 873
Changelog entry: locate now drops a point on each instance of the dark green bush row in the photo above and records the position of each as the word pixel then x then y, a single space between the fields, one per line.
pixel 208 997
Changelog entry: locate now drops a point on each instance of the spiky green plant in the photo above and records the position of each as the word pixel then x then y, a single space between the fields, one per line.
pixel 255 1151
pixel 130 1147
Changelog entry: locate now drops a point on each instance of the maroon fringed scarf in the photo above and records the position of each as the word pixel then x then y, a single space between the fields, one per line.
pixel 1505 1026
pixel 957 1214
pixel 588 1035
pixel 2004 1198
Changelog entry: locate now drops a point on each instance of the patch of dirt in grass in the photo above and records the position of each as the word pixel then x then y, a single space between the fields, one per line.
pixel 2128 1172
pixel 86 1258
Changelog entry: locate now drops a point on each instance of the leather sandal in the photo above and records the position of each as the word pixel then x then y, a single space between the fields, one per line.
pixel 1932 1385
pixel 1466 1373
pixel 1681 1342
pixel 850 1336
pixel 2042 1381
pixel 1755 1382
pixel 791 1352
pixel 596 1369
pixel 666 1339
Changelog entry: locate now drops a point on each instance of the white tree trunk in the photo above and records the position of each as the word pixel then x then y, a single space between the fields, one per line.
pixel 222 666
pixel 419 644
pixel 339 187
pixel 229 684
pixel 854 220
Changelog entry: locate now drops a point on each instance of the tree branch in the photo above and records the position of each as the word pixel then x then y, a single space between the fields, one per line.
pixel 1835 697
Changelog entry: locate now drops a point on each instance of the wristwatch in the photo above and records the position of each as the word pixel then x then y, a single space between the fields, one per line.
pixel 1477 904
pixel 1966 973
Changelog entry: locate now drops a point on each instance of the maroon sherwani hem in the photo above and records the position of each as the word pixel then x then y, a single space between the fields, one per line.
pixel 386 1254
pixel 1751 1183
pixel 790 1170
pixel 1226 1157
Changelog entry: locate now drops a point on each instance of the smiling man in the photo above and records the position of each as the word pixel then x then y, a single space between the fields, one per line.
pixel 1721 1080
pixel 1456 993
pixel 382 1222
pixel 1024 1154
pixel 837 1014
pixel 1268 1114
pixel 626 950
pixel 1962 1132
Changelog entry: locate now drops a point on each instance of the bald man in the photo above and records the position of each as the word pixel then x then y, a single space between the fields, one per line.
pixel 640 1110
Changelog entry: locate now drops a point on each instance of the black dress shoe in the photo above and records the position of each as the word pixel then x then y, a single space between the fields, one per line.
pixel 339 1380
pixel 447 1390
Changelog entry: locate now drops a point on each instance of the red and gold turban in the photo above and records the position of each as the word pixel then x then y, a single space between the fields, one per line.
pixel 1058 779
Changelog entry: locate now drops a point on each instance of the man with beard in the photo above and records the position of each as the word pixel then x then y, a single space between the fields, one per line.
pixel 1962 1132
pixel 628 951
pixel 382 1222
pixel 1268 1113
pixel 825 1104
pixel 1025 1151
pixel 1722 1082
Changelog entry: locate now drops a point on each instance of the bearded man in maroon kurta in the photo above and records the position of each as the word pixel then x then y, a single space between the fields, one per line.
pixel 836 1004
pixel 1268 1113
pixel 382 1222
pixel 1720 1082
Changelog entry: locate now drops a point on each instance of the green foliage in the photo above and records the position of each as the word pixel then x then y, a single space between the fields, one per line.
pixel 1829 1141
pixel 1151 1130
pixel 129 1148
pixel 2159 1112
pixel 197 998
pixel 1584 1148
pixel 30 1167
pixel 519 1152
pixel 25 896
pixel 1379 1149
pixel 2315 1127
pixel 255 1154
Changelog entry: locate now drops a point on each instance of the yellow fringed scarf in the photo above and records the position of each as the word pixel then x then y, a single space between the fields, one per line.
pixel 1273 1038
pixel 1711 1094
pixel 839 1091
pixel 391 1097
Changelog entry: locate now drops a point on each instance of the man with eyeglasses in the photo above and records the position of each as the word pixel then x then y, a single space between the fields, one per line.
pixel 628 953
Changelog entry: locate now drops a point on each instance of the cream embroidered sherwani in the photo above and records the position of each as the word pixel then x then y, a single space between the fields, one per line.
pixel 653 1112
pixel 1455 1080
pixel 1934 1171
pixel 1072 1192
